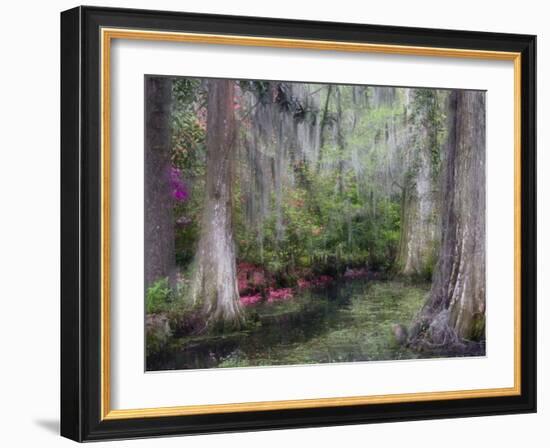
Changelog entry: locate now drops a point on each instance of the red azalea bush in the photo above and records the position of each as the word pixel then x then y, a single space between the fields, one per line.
pixel 251 278
pixel 275 295
pixel 256 284
pixel 251 299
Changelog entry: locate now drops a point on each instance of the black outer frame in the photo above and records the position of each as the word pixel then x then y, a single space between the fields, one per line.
pixel 80 224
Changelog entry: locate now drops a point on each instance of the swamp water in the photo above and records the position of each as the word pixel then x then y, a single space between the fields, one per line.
pixel 343 322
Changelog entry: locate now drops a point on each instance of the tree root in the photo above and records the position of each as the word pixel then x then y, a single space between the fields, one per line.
pixel 435 336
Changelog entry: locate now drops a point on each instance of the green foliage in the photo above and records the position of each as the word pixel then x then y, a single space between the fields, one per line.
pixel 158 297
pixel 189 155
pixel 342 213
pixel 188 126
pixel 186 90
pixel 334 218
pixel 325 230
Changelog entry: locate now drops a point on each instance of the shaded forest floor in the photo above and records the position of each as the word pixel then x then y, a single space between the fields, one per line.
pixel 343 321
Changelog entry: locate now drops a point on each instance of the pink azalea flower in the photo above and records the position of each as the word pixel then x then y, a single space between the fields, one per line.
pixel 251 299
pixel 280 294
pixel 179 189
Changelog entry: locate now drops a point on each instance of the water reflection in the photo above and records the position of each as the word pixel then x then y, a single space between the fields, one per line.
pixel 343 322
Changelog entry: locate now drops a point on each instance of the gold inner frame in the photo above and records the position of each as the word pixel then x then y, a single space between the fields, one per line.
pixel 107 35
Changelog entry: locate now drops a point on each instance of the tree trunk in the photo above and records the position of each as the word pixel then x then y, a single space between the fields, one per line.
pixel 215 281
pixel 418 241
pixel 419 201
pixel 455 309
pixel 159 224
pixel 323 124
pixel 279 166
pixel 340 140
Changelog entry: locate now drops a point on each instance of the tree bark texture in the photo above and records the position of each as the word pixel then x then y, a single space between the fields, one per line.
pixel 455 309
pixel 159 225
pixel 420 200
pixel 215 280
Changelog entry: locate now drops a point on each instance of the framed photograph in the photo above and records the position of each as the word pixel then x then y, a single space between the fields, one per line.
pixel 272 223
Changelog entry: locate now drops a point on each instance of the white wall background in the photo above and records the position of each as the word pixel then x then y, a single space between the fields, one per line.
pixel 29 220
